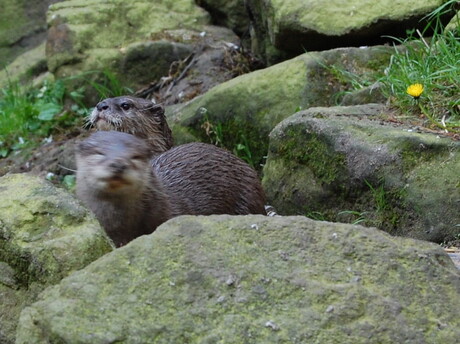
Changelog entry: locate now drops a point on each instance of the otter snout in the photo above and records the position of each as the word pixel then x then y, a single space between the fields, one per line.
pixel 118 166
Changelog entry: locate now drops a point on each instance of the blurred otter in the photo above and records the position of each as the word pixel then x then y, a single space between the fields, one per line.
pixel 132 195
pixel 140 117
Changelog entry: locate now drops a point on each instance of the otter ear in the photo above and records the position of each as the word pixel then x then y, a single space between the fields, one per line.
pixel 157 110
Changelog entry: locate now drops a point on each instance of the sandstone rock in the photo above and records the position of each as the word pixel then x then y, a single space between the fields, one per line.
pixel 349 164
pixel 285 29
pixel 44 235
pixel 245 109
pixel 254 279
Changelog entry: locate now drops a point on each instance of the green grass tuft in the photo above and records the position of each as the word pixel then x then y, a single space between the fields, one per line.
pixel 432 62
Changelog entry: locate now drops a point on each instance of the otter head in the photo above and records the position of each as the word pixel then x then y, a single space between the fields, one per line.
pixel 113 163
pixel 140 117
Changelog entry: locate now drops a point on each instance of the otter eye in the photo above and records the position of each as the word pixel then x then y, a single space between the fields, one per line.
pixel 125 106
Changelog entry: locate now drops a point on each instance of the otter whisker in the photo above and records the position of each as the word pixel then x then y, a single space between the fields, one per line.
pixel 66 168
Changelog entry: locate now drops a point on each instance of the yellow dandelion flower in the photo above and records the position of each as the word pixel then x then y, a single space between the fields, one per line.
pixel 415 90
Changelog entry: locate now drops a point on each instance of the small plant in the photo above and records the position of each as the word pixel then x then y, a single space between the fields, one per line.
pixel 423 79
pixel 216 131
pixel 357 217
pixel 108 85
pixel 380 197
pixel 29 112
pixel 316 215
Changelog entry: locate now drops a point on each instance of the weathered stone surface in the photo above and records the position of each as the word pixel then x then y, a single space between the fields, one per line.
pixel 285 28
pixel 255 279
pixel 346 164
pixel 454 23
pixel 44 235
pixel 31 63
pixel 22 27
pixel 228 13
pixel 248 107
pixel 86 34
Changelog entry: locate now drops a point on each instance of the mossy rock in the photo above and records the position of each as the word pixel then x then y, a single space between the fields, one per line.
pixel 285 28
pixel 254 279
pixel 127 39
pixel 244 110
pixel 45 234
pixel 347 164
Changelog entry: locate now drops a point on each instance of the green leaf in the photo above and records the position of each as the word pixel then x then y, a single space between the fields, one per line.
pixel 3 152
pixel 69 181
pixel 47 111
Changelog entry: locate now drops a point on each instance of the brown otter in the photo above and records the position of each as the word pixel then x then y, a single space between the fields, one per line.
pixel 140 117
pixel 131 195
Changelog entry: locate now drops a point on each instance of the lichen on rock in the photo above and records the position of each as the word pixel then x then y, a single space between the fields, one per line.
pixel 258 279
pixel 45 234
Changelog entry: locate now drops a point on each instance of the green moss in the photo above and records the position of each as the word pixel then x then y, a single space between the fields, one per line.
pixel 413 151
pixel 314 151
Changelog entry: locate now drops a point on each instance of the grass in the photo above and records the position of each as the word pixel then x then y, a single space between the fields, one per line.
pixel 432 63
pixel 26 113
pixel 216 133
pixel 30 114
pixel 419 59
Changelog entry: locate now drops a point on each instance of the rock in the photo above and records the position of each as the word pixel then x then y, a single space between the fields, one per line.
pixel 216 57
pixel 228 13
pixel 283 29
pixel 31 63
pixel 453 25
pixel 254 279
pixel 244 110
pixel 45 234
pixel 366 95
pixel 348 164
pixel 89 35
pixel 22 27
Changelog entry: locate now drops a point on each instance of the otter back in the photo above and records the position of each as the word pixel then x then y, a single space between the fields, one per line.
pixel 203 179
pixel 131 195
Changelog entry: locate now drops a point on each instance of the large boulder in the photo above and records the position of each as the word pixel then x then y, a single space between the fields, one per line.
pixel 135 40
pixel 254 279
pixel 286 28
pixel 350 164
pixel 244 110
pixel 45 234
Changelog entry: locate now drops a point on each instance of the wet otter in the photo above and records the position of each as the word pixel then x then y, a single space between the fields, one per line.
pixel 131 194
pixel 140 117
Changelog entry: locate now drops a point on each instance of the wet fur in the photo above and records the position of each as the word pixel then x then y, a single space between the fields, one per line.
pixel 195 178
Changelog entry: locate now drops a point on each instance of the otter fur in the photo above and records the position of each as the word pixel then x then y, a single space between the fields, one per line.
pixel 132 194
pixel 140 117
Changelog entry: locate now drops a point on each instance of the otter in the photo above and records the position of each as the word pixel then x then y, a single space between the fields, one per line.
pixel 132 194
pixel 140 117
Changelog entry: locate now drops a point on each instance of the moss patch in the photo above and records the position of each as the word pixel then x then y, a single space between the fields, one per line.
pixel 310 149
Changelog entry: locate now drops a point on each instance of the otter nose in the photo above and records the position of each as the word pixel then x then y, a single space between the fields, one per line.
pixel 118 166
pixel 102 106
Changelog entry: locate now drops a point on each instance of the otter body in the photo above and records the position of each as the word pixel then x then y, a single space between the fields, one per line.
pixel 136 116
pixel 132 195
